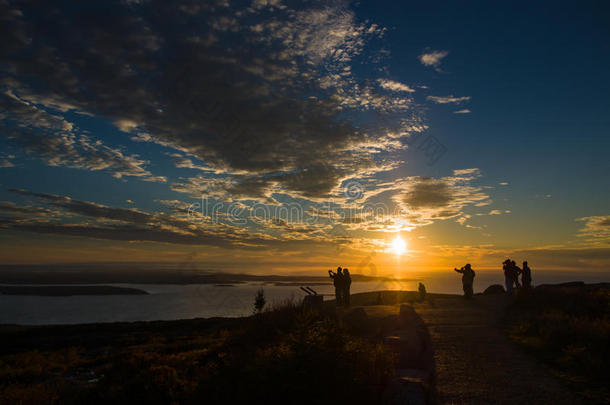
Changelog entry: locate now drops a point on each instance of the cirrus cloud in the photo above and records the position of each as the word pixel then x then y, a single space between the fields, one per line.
pixel 448 100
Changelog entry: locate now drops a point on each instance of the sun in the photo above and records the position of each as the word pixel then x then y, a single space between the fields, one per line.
pixel 399 246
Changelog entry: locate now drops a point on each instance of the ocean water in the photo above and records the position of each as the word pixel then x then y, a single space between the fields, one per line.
pixel 170 301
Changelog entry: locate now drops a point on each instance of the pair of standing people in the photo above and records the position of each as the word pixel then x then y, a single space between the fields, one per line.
pixel 342 282
pixel 511 275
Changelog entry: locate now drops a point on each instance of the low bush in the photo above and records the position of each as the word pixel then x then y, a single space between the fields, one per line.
pixel 569 329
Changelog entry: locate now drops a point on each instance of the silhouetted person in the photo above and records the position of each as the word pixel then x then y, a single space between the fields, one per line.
pixel 347 283
pixel 508 275
pixel 422 291
pixel 526 276
pixel 515 273
pixel 467 280
pixel 338 283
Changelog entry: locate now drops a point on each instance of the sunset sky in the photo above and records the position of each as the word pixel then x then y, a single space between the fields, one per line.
pixel 273 136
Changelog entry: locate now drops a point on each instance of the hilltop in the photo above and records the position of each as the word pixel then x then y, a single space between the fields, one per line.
pixel 548 346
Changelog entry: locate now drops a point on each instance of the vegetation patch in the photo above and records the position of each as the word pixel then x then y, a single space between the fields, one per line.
pixel 568 328
pixel 287 354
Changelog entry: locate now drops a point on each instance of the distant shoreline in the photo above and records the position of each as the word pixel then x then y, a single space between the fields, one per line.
pixel 64 291
pixel 54 274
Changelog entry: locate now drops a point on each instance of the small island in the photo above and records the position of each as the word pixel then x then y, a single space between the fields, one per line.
pixel 68 290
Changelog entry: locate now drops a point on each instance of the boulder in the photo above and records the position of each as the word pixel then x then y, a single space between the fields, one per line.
pixel 494 289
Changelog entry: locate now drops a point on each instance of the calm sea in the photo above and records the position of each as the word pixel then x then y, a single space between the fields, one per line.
pixel 169 301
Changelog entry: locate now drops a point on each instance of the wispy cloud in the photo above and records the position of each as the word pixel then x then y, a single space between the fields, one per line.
pixel 464 111
pixel 448 99
pixel 433 58
pixel 5 161
pixel 124 224
pixel 394 85
pixel 58 142
pixel 596 230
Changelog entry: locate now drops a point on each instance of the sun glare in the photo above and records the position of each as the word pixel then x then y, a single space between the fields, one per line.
pixel 399 246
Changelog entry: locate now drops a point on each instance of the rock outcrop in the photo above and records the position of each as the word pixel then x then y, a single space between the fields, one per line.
pixel 494 289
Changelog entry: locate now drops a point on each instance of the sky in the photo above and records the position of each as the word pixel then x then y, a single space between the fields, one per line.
pixel 273 136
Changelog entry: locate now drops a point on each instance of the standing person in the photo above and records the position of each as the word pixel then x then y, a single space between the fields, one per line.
pixel 526 276
pixel 422 291
pixel 347 283
pixel 516 272
pixel 338 283
pixel 467 280
pixel 508 276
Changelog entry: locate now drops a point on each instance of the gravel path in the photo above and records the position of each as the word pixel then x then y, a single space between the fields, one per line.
pixel 475 361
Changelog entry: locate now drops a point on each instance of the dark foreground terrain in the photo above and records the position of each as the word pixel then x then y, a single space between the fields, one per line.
pixel 286 355
pixel 545 346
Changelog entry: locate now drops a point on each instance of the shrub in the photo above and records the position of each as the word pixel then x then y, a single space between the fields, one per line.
pixel 259 301
pixel 568 328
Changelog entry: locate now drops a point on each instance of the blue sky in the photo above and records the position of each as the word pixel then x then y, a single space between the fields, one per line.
pixel 112 128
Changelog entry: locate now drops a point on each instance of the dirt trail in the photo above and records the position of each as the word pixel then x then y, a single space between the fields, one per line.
pixel 475 361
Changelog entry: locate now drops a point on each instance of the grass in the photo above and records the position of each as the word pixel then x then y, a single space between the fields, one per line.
pixel 569 330
pixel 286 354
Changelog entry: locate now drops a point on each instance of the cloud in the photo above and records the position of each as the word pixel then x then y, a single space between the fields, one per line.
pixel 188 164
pixel 433 58
pixel 9 207
pixel 261 91
pixel 56 141
pixel 467 174
pixel 260 101
pixel 410 202
pixel 426 199
pixel 186 224
pixel 447 99
pixel 596 230
pixel 394 85
pixel 464 111
pixel 428 193
pixel 125 224
pixel 228 188
pixel 5 161
pixel 403 204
